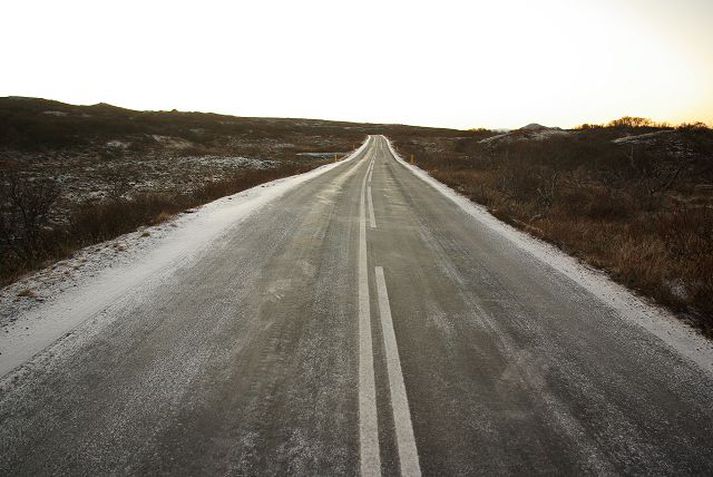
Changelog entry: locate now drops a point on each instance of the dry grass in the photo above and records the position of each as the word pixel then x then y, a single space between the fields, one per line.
pixel 95 172
pixel 97 222
pixel 27 293
pixel 644 213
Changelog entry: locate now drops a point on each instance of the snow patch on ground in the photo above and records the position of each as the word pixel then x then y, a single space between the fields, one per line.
pixel 172 142
pixel 656 320
pixel 42 307
pixel 648 138
pixel 55 113
pixel 320 155
pixel 231 162
pixel 493 139
pixel 117 144
pixel 531 132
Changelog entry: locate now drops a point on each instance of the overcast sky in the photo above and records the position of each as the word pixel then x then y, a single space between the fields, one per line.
pixel 446 63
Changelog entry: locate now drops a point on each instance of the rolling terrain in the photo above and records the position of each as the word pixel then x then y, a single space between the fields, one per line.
pixel 362 319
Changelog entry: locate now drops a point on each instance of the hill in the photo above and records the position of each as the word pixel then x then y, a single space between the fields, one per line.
pixel 78 175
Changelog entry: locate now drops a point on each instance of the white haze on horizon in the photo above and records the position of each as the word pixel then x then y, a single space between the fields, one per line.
pixel 448 63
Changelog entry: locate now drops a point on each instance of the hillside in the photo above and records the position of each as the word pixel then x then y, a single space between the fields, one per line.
pixel 77 175
pixel 38 124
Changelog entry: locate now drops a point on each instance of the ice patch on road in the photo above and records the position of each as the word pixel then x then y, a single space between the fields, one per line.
pixel 658 321
pixel 41 308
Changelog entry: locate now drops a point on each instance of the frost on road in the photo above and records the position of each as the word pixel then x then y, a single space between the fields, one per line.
pixel 360 317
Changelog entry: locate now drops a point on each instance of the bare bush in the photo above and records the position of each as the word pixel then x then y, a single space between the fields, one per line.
pixel 630 122
pixel 644 213
pixel 26 204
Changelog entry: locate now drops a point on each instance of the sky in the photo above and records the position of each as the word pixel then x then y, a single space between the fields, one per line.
pixel 461 64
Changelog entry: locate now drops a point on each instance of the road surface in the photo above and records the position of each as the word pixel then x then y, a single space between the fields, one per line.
pixel 360 323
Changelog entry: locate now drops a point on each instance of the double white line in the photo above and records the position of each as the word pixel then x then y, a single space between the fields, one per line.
pixel 368 423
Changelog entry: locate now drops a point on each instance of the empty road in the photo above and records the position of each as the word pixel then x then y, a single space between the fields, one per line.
pixel 360 323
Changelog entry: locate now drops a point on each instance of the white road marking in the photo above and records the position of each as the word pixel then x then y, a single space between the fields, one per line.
pixel 372 218
pixel 369 201
pixel 405 440
pixel 370 459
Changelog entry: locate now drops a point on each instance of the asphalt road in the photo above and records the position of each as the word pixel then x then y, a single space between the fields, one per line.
pixel 361 323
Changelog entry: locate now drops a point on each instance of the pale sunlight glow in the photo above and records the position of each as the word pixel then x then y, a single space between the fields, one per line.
pixel 438 63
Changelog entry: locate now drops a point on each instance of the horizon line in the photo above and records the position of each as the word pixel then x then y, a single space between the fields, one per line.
pixel 656 123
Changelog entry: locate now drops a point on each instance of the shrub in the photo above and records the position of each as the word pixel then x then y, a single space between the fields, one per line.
pixel 621 208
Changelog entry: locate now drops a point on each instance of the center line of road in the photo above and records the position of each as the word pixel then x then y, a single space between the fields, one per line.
pixel 372 218
pixel 369 201
pixel 370 459
pixel 405 440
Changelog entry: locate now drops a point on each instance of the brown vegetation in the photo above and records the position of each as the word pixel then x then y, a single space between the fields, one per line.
pixel 632 197
pixel 77 175
pixel 28 240
pixel 639 208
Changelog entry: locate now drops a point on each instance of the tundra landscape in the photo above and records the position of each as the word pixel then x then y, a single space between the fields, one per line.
pixel 361 239
pixel 79 175
pixel 630 197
